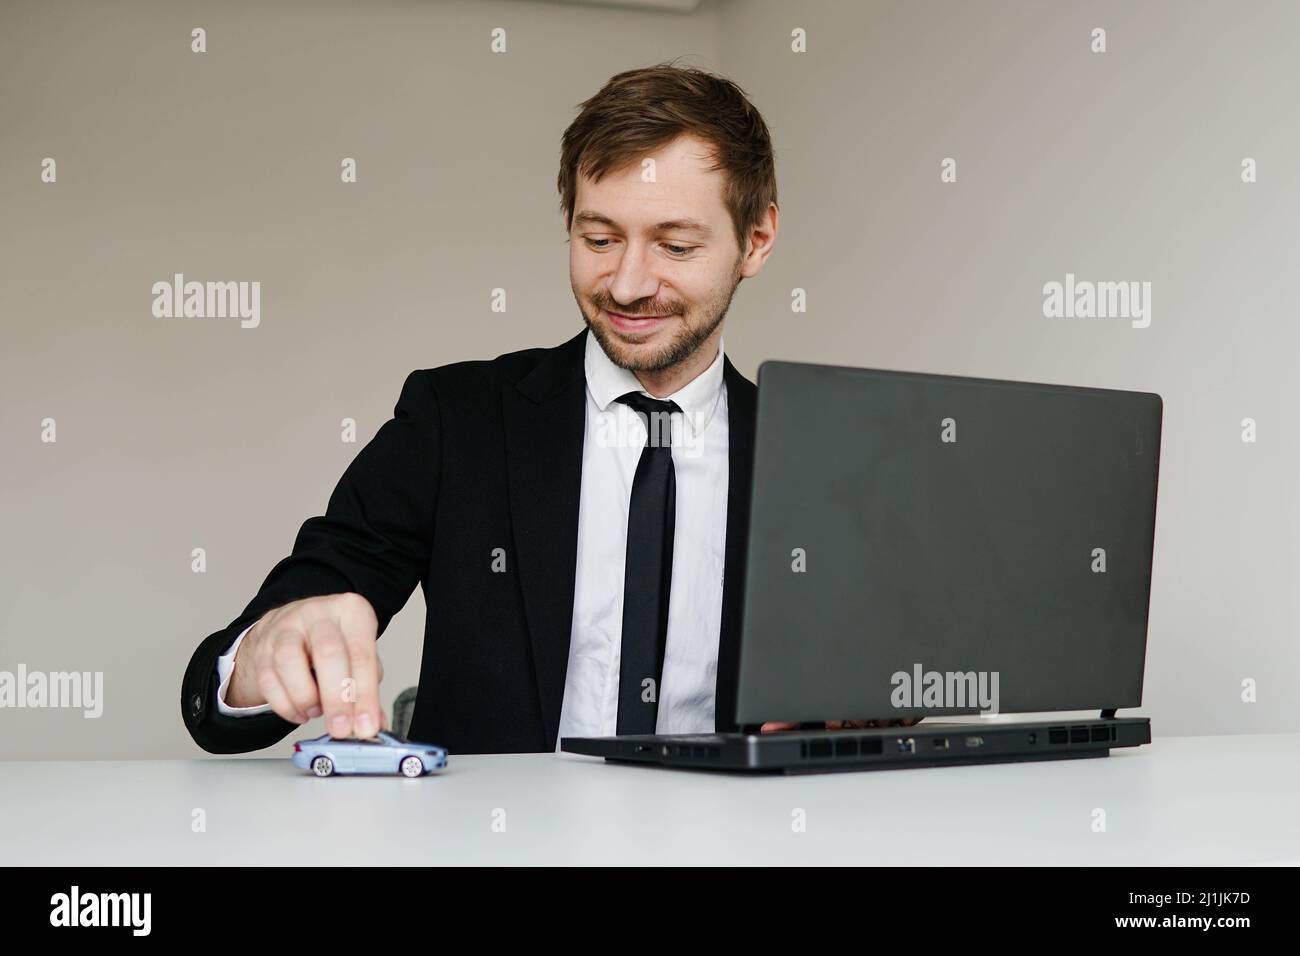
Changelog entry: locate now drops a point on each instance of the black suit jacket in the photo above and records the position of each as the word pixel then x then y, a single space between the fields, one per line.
pixel 477 456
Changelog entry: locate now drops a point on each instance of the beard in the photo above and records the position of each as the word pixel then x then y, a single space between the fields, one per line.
pixel 685 341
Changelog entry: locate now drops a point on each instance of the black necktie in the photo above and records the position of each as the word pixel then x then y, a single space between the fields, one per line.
pixel 648 569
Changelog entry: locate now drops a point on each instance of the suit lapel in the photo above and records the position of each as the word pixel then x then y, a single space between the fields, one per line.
pixel 742 400
pixel 545 422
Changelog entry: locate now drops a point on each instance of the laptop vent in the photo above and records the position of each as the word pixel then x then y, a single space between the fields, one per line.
pixel 840 747
pixel 1081 735
pixel 695 750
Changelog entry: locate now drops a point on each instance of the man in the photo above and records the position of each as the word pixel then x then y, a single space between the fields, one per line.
pixel 576 516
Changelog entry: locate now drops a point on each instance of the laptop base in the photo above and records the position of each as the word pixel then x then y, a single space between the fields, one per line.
pixel 884 748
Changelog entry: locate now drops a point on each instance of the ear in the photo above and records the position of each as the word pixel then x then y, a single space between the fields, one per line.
pixel 759 242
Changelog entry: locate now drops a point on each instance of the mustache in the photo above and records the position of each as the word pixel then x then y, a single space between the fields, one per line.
pixel 640 313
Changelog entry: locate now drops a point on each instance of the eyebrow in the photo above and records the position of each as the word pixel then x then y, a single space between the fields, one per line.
pixel 587 217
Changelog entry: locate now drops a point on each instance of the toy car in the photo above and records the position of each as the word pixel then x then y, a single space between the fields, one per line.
pixel 383 753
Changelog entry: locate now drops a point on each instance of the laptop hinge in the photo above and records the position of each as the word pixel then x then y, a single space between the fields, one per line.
pixel 1108 714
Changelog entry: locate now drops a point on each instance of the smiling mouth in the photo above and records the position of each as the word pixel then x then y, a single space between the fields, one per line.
pixel 635 323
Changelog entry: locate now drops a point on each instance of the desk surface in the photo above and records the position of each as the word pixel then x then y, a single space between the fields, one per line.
pixel 1186 800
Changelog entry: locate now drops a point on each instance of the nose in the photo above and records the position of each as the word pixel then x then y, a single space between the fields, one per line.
pixel 634 279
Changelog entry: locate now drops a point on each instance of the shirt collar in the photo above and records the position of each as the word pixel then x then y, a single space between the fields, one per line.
pixel 698 398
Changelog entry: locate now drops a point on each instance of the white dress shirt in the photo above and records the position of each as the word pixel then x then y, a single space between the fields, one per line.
pixel 615 437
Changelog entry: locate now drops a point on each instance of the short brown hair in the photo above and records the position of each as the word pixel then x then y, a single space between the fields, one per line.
pixel 642 110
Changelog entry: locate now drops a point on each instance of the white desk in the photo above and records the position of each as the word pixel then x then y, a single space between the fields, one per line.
pixel 1190 800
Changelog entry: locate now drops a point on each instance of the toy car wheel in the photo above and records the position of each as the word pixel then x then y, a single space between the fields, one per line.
pixel 322 766
pixel 411 767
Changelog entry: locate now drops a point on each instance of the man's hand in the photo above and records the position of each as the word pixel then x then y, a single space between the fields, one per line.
pixel 776 725
pixel 312 657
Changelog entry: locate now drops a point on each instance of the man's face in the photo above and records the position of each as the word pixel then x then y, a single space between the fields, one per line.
pixel 653 259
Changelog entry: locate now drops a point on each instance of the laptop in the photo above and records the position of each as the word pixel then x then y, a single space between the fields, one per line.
pixel 936 547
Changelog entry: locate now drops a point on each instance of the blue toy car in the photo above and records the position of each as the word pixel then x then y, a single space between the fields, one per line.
pixel 384 753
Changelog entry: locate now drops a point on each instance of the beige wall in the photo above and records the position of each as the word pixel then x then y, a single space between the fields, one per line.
pixel 175 434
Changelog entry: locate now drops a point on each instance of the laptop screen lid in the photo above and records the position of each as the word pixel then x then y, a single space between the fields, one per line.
pixel 928 544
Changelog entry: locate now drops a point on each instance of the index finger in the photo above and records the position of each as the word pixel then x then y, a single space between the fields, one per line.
pixel 331 661
pixel 364 656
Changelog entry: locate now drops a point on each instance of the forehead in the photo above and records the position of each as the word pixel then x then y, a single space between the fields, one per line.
pixel 683 187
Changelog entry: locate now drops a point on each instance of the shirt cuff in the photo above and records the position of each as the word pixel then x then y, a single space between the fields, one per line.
pixel 226 667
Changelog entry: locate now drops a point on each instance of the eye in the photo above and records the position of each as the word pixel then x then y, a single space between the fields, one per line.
pixel 592 242
pixel 684 250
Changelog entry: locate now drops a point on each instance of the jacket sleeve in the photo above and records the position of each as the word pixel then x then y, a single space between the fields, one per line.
pixel 375 539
